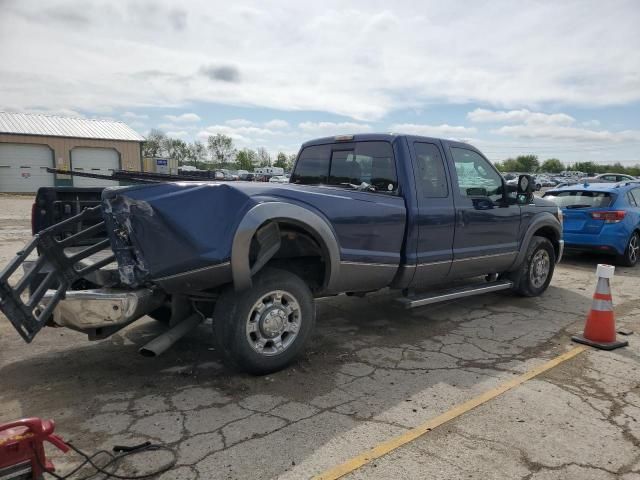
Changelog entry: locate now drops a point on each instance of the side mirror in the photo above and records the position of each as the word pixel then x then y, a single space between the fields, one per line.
pixel 526 185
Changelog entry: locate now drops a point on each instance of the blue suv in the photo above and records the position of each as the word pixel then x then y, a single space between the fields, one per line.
pixel 601 217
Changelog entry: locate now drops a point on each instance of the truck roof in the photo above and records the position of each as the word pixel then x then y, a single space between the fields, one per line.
pixel 385 137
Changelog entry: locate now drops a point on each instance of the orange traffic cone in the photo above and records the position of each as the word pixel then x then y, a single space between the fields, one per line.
pixel 600 329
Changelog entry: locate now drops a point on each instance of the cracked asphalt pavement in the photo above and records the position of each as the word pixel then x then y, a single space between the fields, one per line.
pixel 372 371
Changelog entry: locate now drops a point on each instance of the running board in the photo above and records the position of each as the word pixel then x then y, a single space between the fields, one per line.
pixel 443 296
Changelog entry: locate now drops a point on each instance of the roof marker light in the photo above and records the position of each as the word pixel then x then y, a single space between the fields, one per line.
pixel 343 138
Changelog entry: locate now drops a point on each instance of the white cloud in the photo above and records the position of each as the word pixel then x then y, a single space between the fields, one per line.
pixel 443 130
pixel 107 55
pixel 568 133
pixel 591 123
pixel 277 124
pixel 246 135
pixel 184 118
pixel 134 116
pixel 319 129
pixel 178 134
pixel 239 122
pixel 177 126
pixel 481 115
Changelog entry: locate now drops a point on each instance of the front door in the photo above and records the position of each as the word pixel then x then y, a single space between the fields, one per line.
pixel 487 224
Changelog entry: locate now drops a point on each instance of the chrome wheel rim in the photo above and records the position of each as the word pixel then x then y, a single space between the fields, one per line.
pixel 273 323
pixel 634 248
pixel 539 271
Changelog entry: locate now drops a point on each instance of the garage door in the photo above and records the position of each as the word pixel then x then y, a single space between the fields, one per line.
pixel 23 167
pixel 101 161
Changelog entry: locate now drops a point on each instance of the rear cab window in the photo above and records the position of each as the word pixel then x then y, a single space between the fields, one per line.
pixel 575 199
pixel 430 174
pixel 365 166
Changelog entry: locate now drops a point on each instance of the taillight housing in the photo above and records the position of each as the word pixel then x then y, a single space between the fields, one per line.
pixel 609 216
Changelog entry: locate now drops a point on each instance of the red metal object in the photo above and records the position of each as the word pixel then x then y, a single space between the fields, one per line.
pixel 22 448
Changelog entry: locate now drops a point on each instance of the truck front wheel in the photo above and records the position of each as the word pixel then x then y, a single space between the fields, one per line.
pixel 262 329
pixel 535 273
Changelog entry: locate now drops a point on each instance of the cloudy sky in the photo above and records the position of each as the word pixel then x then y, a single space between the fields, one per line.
pixel 552 78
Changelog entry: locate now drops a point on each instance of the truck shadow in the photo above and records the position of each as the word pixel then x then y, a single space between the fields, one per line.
pixel 589 261
pixel 370 360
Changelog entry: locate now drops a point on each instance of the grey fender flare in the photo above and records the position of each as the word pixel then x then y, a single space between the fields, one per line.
pixel 263 212
pixel 542 220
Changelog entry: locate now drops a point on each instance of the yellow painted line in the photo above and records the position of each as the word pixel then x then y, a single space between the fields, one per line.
pixel 410 435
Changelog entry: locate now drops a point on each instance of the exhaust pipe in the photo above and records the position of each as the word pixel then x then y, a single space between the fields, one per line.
pixel 162 342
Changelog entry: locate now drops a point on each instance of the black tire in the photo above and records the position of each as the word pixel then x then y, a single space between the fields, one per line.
pixel 631 253
pixel 237 312
pixel 529 280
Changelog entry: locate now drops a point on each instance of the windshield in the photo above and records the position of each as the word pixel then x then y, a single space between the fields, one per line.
pixel 580 199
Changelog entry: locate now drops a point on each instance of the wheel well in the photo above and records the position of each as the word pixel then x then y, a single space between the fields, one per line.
pixel 299 252
pixel 550 234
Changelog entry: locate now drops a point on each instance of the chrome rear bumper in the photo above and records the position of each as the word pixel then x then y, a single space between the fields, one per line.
pixel 90 309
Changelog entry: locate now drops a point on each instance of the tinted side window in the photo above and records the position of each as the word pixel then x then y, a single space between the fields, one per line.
pixel 368 162
pixel 636 195
pixel 431 177
pixel 476 177
pixel 312 166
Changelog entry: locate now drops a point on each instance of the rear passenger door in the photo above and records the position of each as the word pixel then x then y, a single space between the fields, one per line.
pixel 436 214
pixel 487 223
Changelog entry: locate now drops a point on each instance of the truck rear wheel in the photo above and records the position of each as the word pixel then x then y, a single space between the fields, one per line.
pixel 536 271
pixel 262 329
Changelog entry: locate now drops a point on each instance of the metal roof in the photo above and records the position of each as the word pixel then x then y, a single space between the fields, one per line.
pixel 55 126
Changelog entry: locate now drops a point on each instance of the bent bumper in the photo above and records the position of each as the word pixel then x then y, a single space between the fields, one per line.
pixel 85 310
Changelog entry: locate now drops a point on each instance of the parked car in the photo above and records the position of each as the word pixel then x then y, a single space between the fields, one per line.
pixel 609 178
pixel 360 213
pixel 511 178
pixel 279 179
pixel 601 217
pixel 545 181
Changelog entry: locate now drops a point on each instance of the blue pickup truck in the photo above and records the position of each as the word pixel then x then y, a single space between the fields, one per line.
pixel 361 213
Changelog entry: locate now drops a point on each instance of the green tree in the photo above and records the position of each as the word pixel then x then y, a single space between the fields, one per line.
pixel 552 165
pixel 181 151
pixel 264 159
pixel 281 160
pixel 152 146
pixel 528 163
pixel 586 167
pixel 220 148
pixel 197 153
pixel 245 159
pixel 175 148
pixel 509 165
